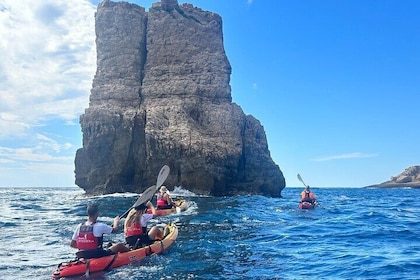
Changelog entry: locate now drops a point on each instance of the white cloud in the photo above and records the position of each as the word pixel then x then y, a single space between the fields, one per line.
pixel 44 152
pixel 47 62
pixel 46 143
pixel 345 156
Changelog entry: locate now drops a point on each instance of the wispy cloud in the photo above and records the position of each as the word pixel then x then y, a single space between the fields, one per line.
pixel 47 150
pixel 345 156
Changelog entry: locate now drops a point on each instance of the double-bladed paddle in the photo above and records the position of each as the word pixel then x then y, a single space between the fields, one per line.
pixel 149 192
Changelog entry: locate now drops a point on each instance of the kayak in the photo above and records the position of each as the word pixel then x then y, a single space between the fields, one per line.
pixel 85 267
pixel 180 205
pixel 306 205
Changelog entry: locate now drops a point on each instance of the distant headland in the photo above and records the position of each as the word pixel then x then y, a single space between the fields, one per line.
pixel 409 178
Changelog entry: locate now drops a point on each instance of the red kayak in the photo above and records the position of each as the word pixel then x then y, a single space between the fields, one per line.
pixel 180 205
pixel 306 205
pixel 92 266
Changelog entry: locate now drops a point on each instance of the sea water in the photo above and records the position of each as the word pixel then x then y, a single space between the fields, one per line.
pixel 355 233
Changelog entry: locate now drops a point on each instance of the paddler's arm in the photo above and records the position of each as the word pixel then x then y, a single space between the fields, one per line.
pixel 115 224
pixel 73 244
pixel 151 207
pixel 169 200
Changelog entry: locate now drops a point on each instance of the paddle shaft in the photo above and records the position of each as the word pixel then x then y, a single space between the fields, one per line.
pixel 125 213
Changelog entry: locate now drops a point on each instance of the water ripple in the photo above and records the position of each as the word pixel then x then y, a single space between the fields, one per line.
pixel 354 234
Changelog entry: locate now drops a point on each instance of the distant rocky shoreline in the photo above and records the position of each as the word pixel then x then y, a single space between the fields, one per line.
pixel 409 178
pixel 395 185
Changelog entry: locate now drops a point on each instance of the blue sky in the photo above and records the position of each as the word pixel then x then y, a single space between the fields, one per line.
pixel 336 85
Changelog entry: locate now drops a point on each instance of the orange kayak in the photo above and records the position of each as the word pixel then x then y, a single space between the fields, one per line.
pixel 85 267
pixel 180 205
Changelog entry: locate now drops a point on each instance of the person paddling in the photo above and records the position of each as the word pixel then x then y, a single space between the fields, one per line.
pixel 88 236
pixel 308 196
pixel 164 200
pixel 135 227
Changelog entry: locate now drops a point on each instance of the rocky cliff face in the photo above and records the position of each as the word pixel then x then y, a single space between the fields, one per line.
pixel 410 177
pixel 161 95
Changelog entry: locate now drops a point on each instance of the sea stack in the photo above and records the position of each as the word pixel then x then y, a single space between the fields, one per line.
pixel 161 95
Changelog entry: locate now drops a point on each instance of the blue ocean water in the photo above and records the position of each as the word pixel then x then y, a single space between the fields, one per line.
pixel 354 234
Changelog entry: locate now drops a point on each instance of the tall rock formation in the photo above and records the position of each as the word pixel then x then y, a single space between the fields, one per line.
pixel 161 95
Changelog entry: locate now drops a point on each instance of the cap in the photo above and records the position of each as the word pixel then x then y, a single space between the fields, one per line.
pixel 140 207
pixel 163 189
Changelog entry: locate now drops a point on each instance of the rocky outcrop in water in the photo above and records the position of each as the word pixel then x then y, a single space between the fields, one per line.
pixel 161 95
pixel 409 178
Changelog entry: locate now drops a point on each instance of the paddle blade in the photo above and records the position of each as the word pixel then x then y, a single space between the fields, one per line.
pixel 146 196
pixel 163 174
pixel 148 193
pixel 300 179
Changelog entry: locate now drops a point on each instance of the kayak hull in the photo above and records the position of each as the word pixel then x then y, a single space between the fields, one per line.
pixel 85 267
pixel 180 205
pixel 306 205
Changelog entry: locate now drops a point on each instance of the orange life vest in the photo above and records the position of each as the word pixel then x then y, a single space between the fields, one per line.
pixel 134 229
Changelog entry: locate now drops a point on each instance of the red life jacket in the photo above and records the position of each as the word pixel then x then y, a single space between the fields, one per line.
pixel 161 202
pixel 86 240
pixel 134 229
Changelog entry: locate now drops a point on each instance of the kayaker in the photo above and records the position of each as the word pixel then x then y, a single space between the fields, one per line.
pixel 164 200
pixel 135 227
pixel 88 236
pixel 307 195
